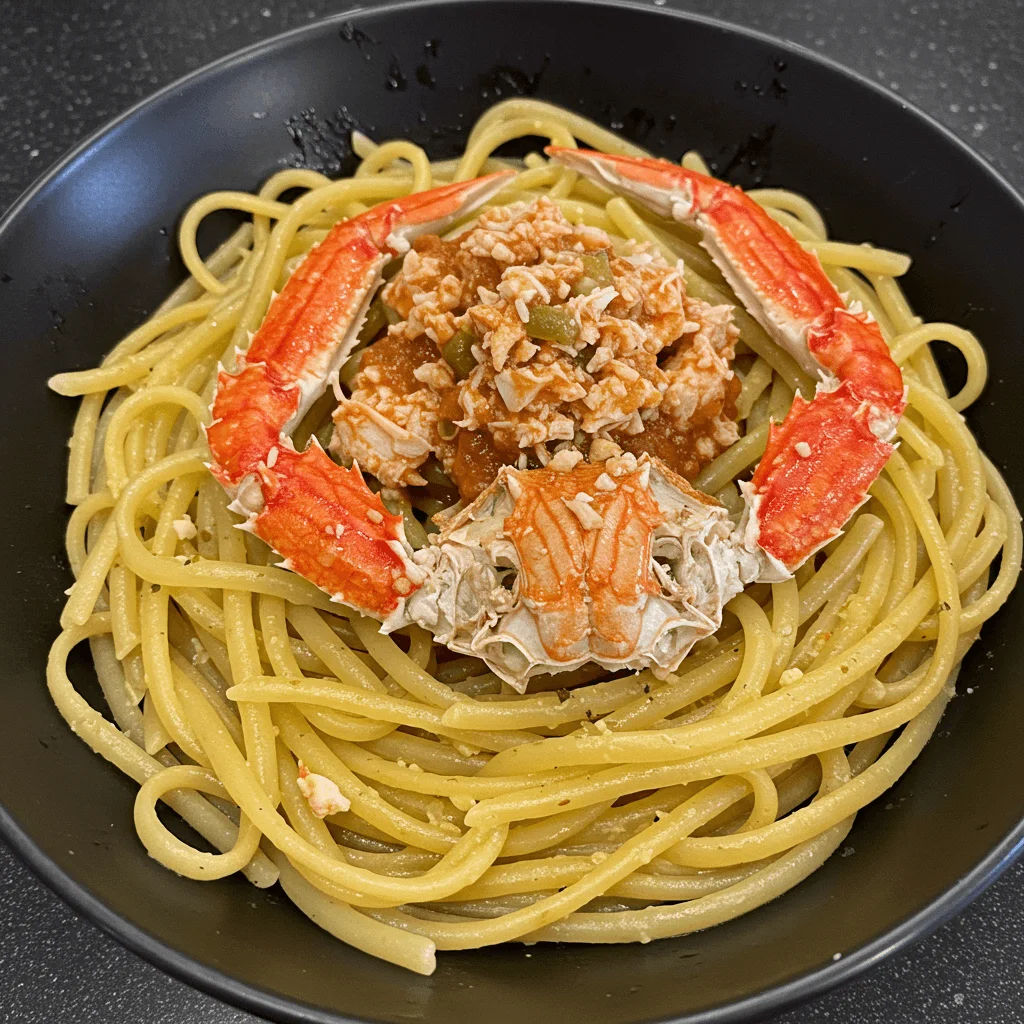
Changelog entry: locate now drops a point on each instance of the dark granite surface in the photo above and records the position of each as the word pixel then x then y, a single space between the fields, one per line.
pixel 67 66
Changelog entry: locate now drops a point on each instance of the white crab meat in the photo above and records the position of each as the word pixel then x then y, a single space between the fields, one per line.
pixel 321 793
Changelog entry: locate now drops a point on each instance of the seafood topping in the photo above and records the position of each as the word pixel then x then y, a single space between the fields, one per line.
pixel 527 331
pixel 321 517
pixel 567 385
pixel 820 462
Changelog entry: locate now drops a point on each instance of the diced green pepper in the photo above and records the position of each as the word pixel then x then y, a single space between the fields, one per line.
pixel 349 369
pixel 597 273
pixel 595 265
pixel 414 532
pixel 435 476
pixel 375 321
pixel 431 506
pixel 447 430
pixel 553 323
pixel 324 434
pixel 391 315
pixel 458 353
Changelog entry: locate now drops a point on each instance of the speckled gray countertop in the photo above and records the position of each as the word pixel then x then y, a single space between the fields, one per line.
pixel 66 67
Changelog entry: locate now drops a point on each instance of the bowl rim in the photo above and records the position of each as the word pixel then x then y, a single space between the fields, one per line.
pixel 260 1001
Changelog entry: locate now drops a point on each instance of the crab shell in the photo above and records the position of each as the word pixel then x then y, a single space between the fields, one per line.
pixel 631 581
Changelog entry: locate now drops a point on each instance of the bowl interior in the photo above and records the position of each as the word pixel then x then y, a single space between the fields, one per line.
pixel 93 251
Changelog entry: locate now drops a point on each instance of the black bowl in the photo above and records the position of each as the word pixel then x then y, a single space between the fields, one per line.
pixel 90 251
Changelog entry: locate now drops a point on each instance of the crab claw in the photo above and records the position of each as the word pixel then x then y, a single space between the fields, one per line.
pixel 820 462
pixel 322 518
pixel 332 527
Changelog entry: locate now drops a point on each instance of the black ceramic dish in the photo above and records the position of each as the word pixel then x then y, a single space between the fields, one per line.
pixel 87 253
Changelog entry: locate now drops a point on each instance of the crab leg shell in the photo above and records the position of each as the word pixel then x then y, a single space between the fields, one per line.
pixel 307 333
pixel 333 528
pixel 247 412
pixel 815 472
pixel 820 462
pixel 322 518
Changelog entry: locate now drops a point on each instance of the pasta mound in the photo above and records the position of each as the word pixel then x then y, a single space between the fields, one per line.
pixel 404 798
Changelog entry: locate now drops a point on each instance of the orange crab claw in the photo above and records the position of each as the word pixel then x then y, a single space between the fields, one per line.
pixel 322 518
pixel 821 461
pixel 332 528
pixel 816 469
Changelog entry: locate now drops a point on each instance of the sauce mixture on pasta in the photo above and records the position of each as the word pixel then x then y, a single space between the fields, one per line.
pixel 611 452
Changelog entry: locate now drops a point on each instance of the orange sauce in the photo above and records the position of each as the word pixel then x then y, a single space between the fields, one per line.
pixel 475 462
pixel 662 439
pixel 397 360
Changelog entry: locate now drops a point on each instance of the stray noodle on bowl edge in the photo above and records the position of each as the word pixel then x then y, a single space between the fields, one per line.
pixel 405 796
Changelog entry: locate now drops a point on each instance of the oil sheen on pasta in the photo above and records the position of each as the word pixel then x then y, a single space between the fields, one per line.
pixel 463 814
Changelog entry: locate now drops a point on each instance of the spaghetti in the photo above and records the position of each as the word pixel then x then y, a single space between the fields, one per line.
pixel 464 814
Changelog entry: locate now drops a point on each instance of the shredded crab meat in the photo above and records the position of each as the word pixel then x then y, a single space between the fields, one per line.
pixel 321 793
pixel 184 527
pixel 389 425
pixel 636 359
pixel 437 283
